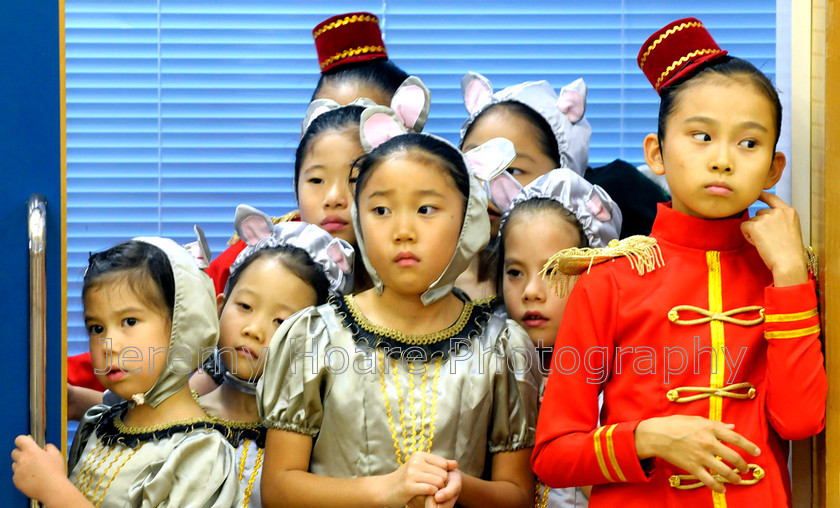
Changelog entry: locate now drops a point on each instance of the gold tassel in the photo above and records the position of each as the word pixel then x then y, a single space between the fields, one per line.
pixel 293 215
pixel 812 262
pixel 641 251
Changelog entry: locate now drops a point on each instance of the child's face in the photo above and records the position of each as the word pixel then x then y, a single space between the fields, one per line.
pixel 346 92
pixel 411 214
pixel 717 152
pixel 530 239
pixel 128 337
pixel 530 163
pixel 325 186
pixel 266 294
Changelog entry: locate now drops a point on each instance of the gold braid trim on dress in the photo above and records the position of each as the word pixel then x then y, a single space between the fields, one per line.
pixel 412 340
pixel 641 251
pixel 294 214
pixel 540 494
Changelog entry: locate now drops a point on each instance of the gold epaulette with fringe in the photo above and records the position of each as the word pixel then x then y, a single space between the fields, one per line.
pixel 293 215
pixel 641 251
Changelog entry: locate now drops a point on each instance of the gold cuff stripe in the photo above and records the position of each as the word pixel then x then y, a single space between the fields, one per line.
pixel 344 21
pixel 681 61
pixel 668 33
pixel 784 318
pixel 599 453
pixel 792 334
pixel 361 50
pixel 611 450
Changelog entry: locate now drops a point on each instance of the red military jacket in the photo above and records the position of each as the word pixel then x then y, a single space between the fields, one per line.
pixel 706 334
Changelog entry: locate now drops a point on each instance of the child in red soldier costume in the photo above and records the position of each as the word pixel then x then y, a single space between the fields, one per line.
pixel 705 340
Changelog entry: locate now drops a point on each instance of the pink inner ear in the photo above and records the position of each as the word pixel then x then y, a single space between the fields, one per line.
pixel 408 102
pixel 504 189
pixel 484 163
pixel 476 96
pixel 572 103
pixel 596 206
pixel 336 254
pixel 379 128
pixel 254 229
pixel 198 254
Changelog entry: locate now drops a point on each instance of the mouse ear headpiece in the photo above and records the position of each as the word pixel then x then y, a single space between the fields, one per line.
pixel 333 255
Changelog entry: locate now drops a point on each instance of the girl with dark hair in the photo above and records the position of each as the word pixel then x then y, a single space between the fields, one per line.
pixel 548 131
pixel 557 211
pixel 285 268
pixel 149 299
pixel 323 179
pixel 407 393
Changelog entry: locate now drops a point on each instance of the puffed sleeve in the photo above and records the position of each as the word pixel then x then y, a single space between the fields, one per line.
pixel 515 389
pixel 198 470
pixel 295 380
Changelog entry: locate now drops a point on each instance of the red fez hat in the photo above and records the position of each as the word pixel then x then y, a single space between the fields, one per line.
pixel 348 38
pixel 675 51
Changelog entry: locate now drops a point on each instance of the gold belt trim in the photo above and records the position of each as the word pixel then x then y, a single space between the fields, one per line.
pixel 706 392
pixel 726 317
pixel 676 481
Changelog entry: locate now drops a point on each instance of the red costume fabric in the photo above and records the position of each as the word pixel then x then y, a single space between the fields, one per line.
pixel 80 372
pixel 707 334
pixel 219 269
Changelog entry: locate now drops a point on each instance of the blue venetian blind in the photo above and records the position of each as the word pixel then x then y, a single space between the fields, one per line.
pixel 178 110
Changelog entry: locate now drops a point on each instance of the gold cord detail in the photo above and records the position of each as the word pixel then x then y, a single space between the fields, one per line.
pixel 412 340
pixel 254 474
pixel 676 481
pixel 541 495
pixel 87 465
pixel 126 459
pixel 726 317
pixel 416 440
pixel 242 460
pixel 124 429
pixel 704 392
